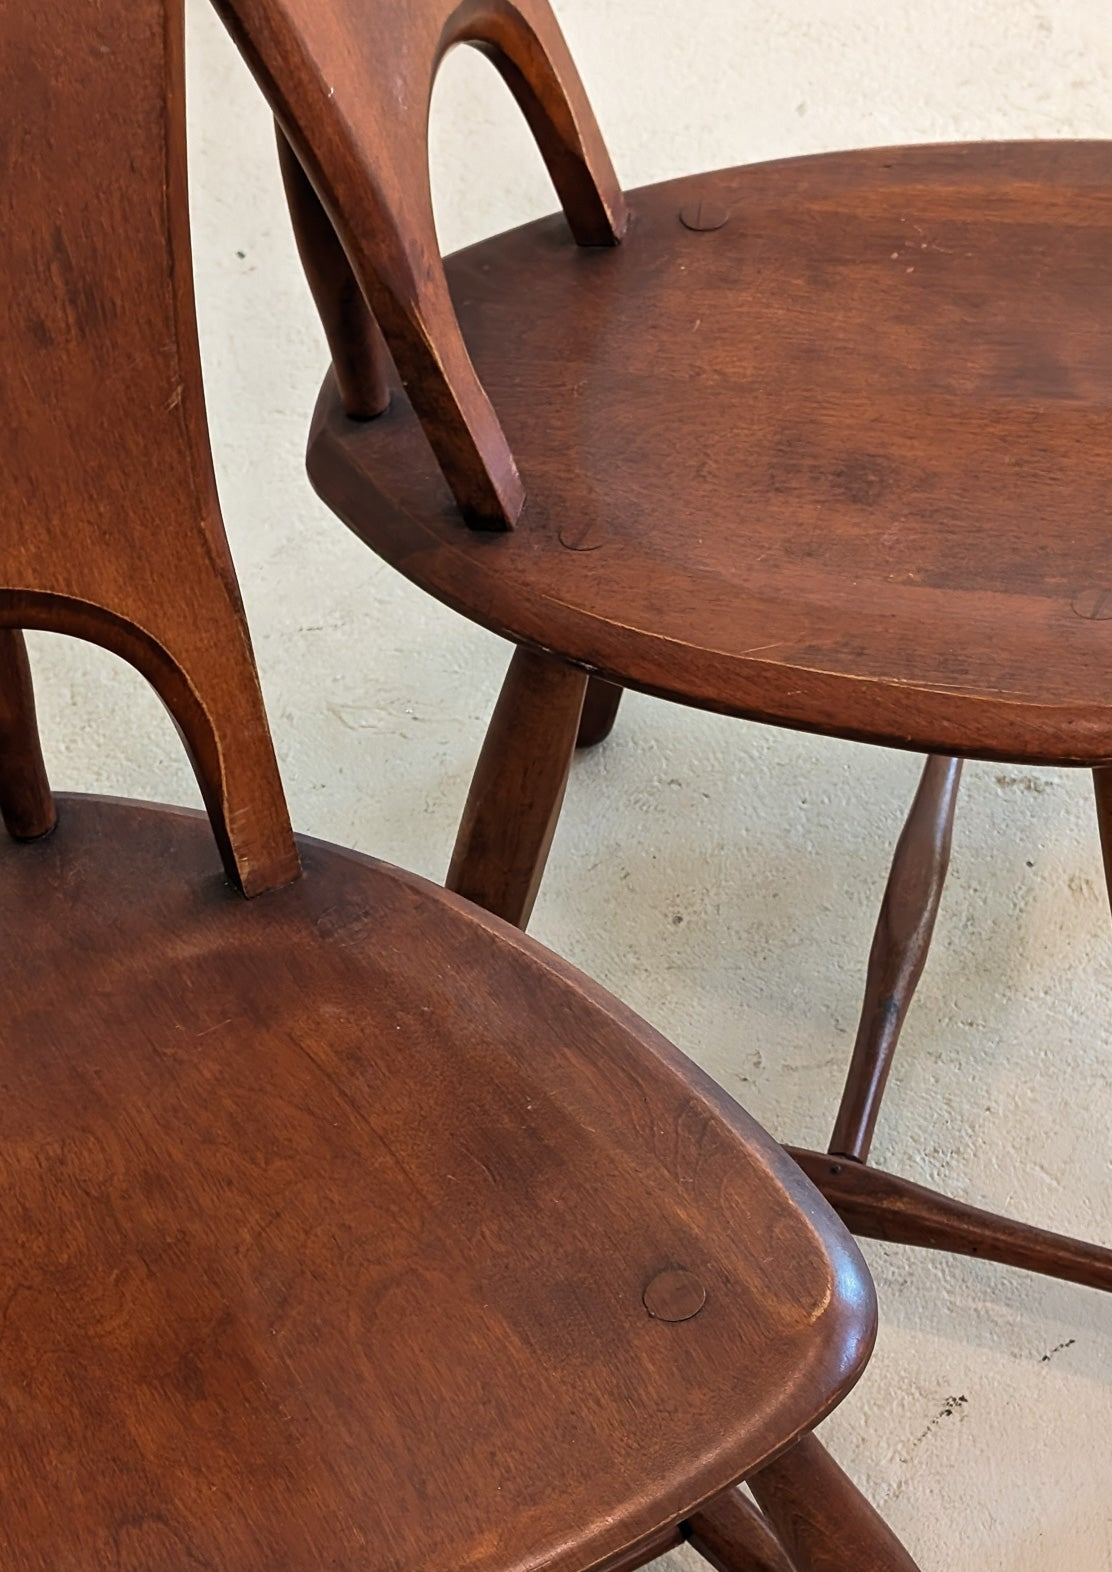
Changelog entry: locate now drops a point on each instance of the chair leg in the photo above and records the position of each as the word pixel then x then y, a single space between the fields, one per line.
pixel 600 709
pixel 359 355
pixel 26 805
pixel 734 1536
pixel 878 1205
pixel 518 788
pixel 821 1517
pixel 900 945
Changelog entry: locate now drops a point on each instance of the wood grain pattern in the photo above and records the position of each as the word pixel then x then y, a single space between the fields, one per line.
pixel 110 527
pixel 838 464
pixel 346 1217
pixel 899 952
pixel 822 1518
pixel 326 1220
pixel 822 444
pixel 518 788
pixel 369 167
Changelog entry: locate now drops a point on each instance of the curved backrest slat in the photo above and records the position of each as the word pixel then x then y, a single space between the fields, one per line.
pixel 350 82
pixel 110 527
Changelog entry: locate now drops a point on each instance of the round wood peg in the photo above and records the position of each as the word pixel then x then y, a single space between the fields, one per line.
pixel 584 534
pixel 701 216
pixel 1093 604
pixel 674 1295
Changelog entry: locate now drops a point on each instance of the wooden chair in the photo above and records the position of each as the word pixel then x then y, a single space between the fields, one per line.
pixel 820 442
pixel 344 1226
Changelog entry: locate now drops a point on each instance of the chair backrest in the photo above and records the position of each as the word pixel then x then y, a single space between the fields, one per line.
pixel 350 83
pixel 110 527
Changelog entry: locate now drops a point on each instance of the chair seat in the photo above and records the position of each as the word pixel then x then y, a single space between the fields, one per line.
pixel 825 442
pixel 347 1227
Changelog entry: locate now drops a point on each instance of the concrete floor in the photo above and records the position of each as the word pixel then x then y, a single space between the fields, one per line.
pixel 722 877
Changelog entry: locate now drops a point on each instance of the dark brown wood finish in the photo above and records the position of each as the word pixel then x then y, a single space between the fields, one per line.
pixel 26 805
pixel 110 527
pixel 331 1219
pixel 518 789
pixel 347 1216
pixel 879 1205
pixel 837 464
pixel 824 443
pixel 899 952
pixel 812 1519
pixel 359 355
pixel 935 588
pixel 734 1536
pixel 823 1520
pixel 600 711
pixel 369 168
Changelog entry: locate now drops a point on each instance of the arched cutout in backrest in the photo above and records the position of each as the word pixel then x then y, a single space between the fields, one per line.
pixel 350 82
pixel 110 527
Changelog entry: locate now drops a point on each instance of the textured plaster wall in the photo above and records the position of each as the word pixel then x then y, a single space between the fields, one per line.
pixel 722 877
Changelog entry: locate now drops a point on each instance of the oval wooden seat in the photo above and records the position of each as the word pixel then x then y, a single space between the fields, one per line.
pixel 336 1230
pixel 824 441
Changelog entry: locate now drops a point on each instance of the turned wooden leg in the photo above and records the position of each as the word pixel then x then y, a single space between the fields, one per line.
pixel 734 1536
pixel 26 805
pixel 821 1517
pixel 600 709
pixel 900 945
pixel 878 1205
pixel 518 788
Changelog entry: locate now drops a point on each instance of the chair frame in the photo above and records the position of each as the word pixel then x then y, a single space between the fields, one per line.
pixel 357 186
pixel 100 545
